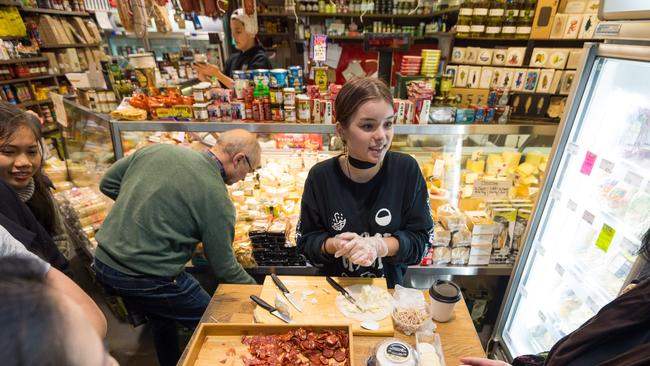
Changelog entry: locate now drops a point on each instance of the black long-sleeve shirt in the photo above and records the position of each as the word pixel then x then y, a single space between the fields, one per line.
pixel 395 202
pixel 21 223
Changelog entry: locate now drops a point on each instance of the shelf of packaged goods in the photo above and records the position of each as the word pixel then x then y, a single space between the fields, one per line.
pixel 55 12
pixel 427 37
pixel 71 45
pixel 22 80
pixel 380 16
pixel 271 127
pixel 22 60
pixel 31 103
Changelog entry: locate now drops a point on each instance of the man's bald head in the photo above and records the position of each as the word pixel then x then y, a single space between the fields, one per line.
pixel 236 147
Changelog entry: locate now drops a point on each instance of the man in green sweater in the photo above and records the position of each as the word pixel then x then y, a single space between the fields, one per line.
pixel 167 200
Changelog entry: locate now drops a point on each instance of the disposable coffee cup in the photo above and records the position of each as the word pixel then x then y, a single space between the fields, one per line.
pixel 443 295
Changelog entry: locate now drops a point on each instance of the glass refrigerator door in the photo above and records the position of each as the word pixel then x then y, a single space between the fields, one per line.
pixel 599 205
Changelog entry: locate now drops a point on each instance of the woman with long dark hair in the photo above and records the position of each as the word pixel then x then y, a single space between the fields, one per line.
pixel 21 161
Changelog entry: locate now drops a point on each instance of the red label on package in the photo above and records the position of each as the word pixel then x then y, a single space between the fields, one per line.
pixel 588 164
pixel 298 141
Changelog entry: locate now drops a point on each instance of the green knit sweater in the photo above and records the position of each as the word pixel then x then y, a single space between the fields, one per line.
pixel 167 199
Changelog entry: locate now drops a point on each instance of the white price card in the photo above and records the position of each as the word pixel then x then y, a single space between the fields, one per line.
pixel 319 47
pixel 633 179
pixel 572 205
pixel 556 194
pixel 572 148
pixel 492 189
pixel 589 217
pixel 59 109
pixel 606 166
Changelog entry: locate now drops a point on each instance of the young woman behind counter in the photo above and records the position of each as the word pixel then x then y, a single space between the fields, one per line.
pixel 365 213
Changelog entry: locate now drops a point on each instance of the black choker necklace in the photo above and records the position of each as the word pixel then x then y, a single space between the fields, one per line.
pixel 359 164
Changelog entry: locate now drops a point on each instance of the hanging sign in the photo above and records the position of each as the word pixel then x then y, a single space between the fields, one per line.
pixel 319 47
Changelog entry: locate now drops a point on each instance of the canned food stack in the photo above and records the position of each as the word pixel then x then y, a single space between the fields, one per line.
pixel 278 82
pixel 410 65
pixel 430 61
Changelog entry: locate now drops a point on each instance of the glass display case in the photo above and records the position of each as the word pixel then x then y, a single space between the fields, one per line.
pixel 582 245
pixel 448 155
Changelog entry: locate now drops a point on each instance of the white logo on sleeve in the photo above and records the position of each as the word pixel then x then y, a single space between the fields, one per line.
pixel 383 217
pixel 338 222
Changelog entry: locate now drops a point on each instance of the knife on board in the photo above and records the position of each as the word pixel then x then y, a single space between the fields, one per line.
pixel 288 295
pixel 343 291
pixel 271 309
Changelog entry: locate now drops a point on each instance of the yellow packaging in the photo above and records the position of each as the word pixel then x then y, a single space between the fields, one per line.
pixel 476 166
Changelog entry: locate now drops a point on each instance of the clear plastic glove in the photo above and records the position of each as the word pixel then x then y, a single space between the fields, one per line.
pixel 205 71
pixel 364 251
pixel 340 240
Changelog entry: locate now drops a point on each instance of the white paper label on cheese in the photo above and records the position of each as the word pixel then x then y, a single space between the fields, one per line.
pixel 181 136
pixel 588 217
pixel 492 189
pixel 606 166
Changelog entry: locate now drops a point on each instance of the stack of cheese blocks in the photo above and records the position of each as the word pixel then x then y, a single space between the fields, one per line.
pixel 483 229
pixel 430 61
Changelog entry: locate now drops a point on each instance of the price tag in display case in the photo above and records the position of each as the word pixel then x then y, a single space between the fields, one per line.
pixel 556 194
pixel 633 179
pixel 606 166
pixel 572 205
pixel 572 148
pixel 589 217
pixel 605 237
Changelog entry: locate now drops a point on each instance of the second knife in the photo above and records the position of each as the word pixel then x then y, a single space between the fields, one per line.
pixel 287 294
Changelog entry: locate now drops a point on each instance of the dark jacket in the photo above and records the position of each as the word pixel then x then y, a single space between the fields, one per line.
pixel 393 203
pixel 21 223
pixel 255 58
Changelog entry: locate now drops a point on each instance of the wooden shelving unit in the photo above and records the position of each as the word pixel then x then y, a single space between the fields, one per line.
pixel 55 12
pixel 22 80
pixel 22 60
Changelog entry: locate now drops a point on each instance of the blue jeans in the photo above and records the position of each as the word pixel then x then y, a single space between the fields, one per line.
pixel 163 301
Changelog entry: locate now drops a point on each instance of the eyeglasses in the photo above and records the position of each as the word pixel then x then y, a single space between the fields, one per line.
pixel 249 164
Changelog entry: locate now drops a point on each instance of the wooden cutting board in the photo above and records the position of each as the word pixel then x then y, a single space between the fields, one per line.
pixel 324 311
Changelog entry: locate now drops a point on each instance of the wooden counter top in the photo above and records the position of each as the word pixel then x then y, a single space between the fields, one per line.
pixel 231 304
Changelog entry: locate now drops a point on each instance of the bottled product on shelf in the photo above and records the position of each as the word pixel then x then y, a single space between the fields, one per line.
pixel 495 19
pixel 463 25
pixel 509 26
pixel 479 18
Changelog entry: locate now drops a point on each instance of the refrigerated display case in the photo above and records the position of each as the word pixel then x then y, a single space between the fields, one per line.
pixel 454 144
pixel 582 242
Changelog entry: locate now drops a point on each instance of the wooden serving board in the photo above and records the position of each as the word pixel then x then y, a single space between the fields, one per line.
pixel 220 344
pixel 324 311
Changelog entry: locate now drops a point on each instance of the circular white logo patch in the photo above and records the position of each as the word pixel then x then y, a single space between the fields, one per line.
pixel 383 217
